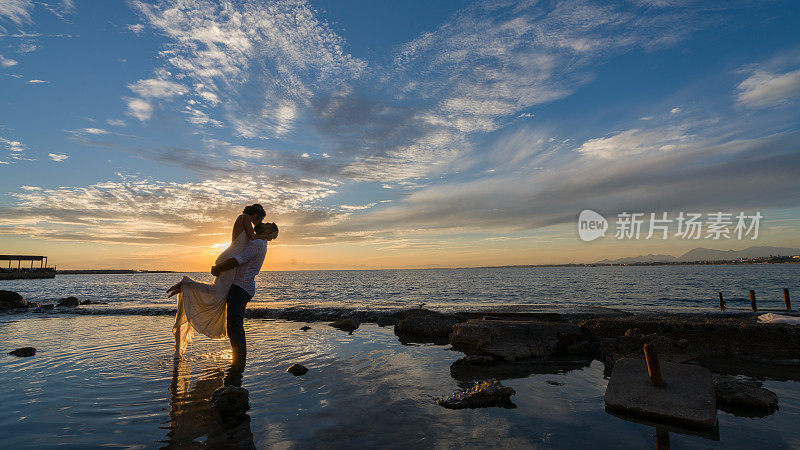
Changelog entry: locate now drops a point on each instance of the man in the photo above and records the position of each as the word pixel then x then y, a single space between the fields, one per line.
pixel 247 264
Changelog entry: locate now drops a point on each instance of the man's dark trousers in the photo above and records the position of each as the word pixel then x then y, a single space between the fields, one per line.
pixel 237 302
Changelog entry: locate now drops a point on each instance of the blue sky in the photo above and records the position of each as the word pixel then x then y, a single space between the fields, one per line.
pixel 390 134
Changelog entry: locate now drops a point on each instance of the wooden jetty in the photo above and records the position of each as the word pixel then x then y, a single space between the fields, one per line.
pixel 19 272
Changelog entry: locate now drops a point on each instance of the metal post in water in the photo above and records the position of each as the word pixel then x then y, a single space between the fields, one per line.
pixel 753 300
pixel 653 366
pixel 786 300
pixel 721 302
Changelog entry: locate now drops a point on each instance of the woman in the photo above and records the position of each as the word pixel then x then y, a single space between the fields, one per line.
pixel 201 306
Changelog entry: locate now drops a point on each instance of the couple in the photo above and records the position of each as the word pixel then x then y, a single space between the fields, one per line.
pixel 203 307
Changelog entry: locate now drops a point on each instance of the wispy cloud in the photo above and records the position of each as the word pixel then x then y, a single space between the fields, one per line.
pixel 764 89
pixel 35 81
pixel 7 62
pixel 140 109
pixel 58 157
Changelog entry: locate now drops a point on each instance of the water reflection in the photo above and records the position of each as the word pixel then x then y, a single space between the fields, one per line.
pixel 192 417
pixel 465 372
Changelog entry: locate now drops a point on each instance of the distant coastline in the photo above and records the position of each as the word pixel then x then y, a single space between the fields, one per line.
pixel 768 260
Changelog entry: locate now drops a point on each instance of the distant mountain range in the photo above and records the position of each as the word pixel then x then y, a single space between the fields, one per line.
pixel 707 254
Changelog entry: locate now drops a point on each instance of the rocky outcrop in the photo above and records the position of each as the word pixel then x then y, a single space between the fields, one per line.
pixel 631 345
pixel 514 340
pixel 70 302
pixel 481 394
pixel 231 401
pixel 739 393
pixel 23 352
pixel 12 300
pixel 425 323
pixel 305 328
pixel 347 324
pixel 297 370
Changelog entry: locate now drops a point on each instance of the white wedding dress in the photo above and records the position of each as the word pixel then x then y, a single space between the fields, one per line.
pixel 201 306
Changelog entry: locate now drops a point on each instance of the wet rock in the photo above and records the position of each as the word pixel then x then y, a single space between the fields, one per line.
pixel 478 359
pixel 732 391
pixel 686 397
pixel 11 300
pixel 47 306
pixel 231 401
pixel 68 302
pixel 631 346
pixel 481 394
pixel 347 324
pixel 513 340
pixel 426 323
pixel 554 383
pixel 88 302
pixel 305 328
pixel 387 321
pixel 23 352
pixel 297 370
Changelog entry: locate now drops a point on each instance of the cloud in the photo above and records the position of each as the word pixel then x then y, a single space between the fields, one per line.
pixel 94 131
pixel 633 142
pixel 136 28
pixel 140 109
pixel 37 81
pixel 16 11
pixel 157 88
pixel 764 89
pixel 116 122
pixel 57 157
pixel 7 62
pixel 27 47
pixel 13 150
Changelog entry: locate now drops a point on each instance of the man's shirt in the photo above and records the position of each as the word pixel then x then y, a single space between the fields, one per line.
pixel 250 261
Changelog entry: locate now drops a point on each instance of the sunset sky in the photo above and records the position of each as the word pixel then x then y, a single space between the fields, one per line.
pixel 382 134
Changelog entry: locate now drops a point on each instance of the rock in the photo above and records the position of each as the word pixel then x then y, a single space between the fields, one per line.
pixel 631 345
pixel 305 328
pixel 297 370
pixel 48 306
pixel 686 397
pixel 554 383
pixel 23 352
pixel 87 302
pixel 11 300
pixel 347 324
pixel 386 321
pixel 231 401
pixel 513 340
pixel 69 302
pixel 633 332
pixel 732 391
pixel 426 323
pixel 481 394
pixel 478 359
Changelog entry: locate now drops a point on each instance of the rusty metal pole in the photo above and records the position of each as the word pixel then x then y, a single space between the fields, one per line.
pixel 753 300
pixel 786 300
pixel 653 366
pixel 721 302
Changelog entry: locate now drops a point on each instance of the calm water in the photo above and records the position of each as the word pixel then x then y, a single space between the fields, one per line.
pixel 109 381
pixel 678 288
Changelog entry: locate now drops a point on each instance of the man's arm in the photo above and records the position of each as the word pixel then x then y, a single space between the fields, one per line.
pixel 228 264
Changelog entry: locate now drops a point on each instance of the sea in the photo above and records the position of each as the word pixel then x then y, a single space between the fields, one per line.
pixel 669 288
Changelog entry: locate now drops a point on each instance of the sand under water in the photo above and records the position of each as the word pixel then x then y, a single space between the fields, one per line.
pixel 111 381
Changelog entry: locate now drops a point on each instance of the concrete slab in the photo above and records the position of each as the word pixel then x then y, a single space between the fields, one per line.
pixel 686 397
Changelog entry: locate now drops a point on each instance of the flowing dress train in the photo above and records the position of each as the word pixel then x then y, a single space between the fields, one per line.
pixel 201 306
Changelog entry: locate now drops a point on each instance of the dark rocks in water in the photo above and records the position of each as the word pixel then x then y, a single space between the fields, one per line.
pixel 23 352
pixel 68 302
pixel 297 370
pixel 481 394
pixel 554 383
pixel 631 346
pixel 478 359
pixel 738 393
pixel 231 401
pixel 12 300
pixel 426 323
pixel 513 340
pixel 346 324
pixel 686 397
pixel 88 302
pixel 386 321
pixel 47 306
pixel 305 328
pixel 463 370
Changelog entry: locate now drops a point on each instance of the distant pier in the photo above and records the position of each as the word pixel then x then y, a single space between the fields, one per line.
pixel 19 272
